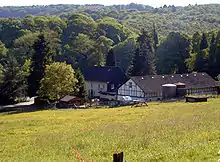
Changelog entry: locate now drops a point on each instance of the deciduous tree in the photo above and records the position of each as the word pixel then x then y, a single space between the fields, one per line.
pixel 80 90
pixel 172 53
pixel 3 50
pixel 59 81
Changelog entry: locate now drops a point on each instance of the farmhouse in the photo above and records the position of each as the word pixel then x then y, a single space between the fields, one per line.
pixel 103 82
pixel 155 87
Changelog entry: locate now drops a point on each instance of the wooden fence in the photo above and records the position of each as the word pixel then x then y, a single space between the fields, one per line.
pixel 118 157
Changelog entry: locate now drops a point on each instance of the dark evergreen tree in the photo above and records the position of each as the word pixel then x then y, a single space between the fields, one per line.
pixel 40 59
pixel 110 59
pixel 135 69
pixel 144 59
pixel 80 91
pixel 201 62
pixel 212 57
pixel 217 53
pixel 196 40
pixel 155 37
pixel 204 42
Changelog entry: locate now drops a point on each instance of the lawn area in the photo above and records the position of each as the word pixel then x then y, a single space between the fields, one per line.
pixel 161 132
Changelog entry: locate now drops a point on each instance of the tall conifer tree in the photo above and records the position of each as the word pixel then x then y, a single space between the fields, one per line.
pixel 212 57
pixel 144 59
pixel 155 37
pixel 110 59
pixel 217 52
pixel 204 42
pixel 40 59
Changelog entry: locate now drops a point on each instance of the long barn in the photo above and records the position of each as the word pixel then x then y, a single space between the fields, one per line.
pixel 150 87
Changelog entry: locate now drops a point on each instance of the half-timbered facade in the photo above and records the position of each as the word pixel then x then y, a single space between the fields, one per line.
pixel 130 88
pixel 150 87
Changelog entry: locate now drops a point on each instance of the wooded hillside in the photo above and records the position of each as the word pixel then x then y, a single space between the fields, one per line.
pixel 135 16
pixel 139 39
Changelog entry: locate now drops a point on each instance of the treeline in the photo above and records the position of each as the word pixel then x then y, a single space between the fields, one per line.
pixel 188 19
pixel 31 49
pixel 177 53
pixel 37 10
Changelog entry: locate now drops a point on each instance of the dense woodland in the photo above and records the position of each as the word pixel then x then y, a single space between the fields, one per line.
pixel 139 39
pixel 188 19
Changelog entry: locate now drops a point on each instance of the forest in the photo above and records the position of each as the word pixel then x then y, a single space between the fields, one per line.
pixel 187 19
pixel 38 42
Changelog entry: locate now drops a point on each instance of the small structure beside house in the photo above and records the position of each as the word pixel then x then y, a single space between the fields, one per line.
pixel 169 91
pixel 196 99
pixel 158 87
pixel 69 102
pixel 103 82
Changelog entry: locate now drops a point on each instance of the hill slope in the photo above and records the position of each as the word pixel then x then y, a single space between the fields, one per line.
pixel 169 18
pixel 161 132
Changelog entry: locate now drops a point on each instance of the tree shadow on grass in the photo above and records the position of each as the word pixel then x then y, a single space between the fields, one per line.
pixel 19 109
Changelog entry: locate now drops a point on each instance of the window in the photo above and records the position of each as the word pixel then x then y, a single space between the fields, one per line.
pixel 112 86
pixel 130 84
pixel 101 86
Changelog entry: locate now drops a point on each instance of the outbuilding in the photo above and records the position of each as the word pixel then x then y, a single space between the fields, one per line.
pixel 69 102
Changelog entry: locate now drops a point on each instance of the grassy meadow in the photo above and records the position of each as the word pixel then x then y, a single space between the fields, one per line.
pixel 161 132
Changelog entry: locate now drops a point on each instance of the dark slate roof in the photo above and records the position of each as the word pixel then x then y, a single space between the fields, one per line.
pixel 153 83
pixel 111 75
pixel 68 98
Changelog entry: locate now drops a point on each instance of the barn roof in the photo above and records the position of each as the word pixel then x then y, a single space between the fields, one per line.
pixel 153 83
pixel 112 75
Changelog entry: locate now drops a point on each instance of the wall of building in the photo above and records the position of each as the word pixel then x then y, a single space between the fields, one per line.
pixel 202 91
pixel 93 88
pixel 130 88
pixel 108 97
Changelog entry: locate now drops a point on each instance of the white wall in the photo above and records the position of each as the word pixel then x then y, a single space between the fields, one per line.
pixel 108 97
pixel 134 90
pixel 96 87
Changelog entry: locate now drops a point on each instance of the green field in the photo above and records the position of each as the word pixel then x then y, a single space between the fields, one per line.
pixel 161 132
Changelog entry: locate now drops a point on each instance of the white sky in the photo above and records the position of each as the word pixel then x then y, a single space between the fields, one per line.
pixel 154 3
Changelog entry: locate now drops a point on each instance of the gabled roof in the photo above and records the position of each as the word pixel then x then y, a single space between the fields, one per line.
pixel 112 75
pixel 153 83
pixel 68 98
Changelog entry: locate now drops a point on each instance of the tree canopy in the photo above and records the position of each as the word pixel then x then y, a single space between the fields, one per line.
pixel 58 82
